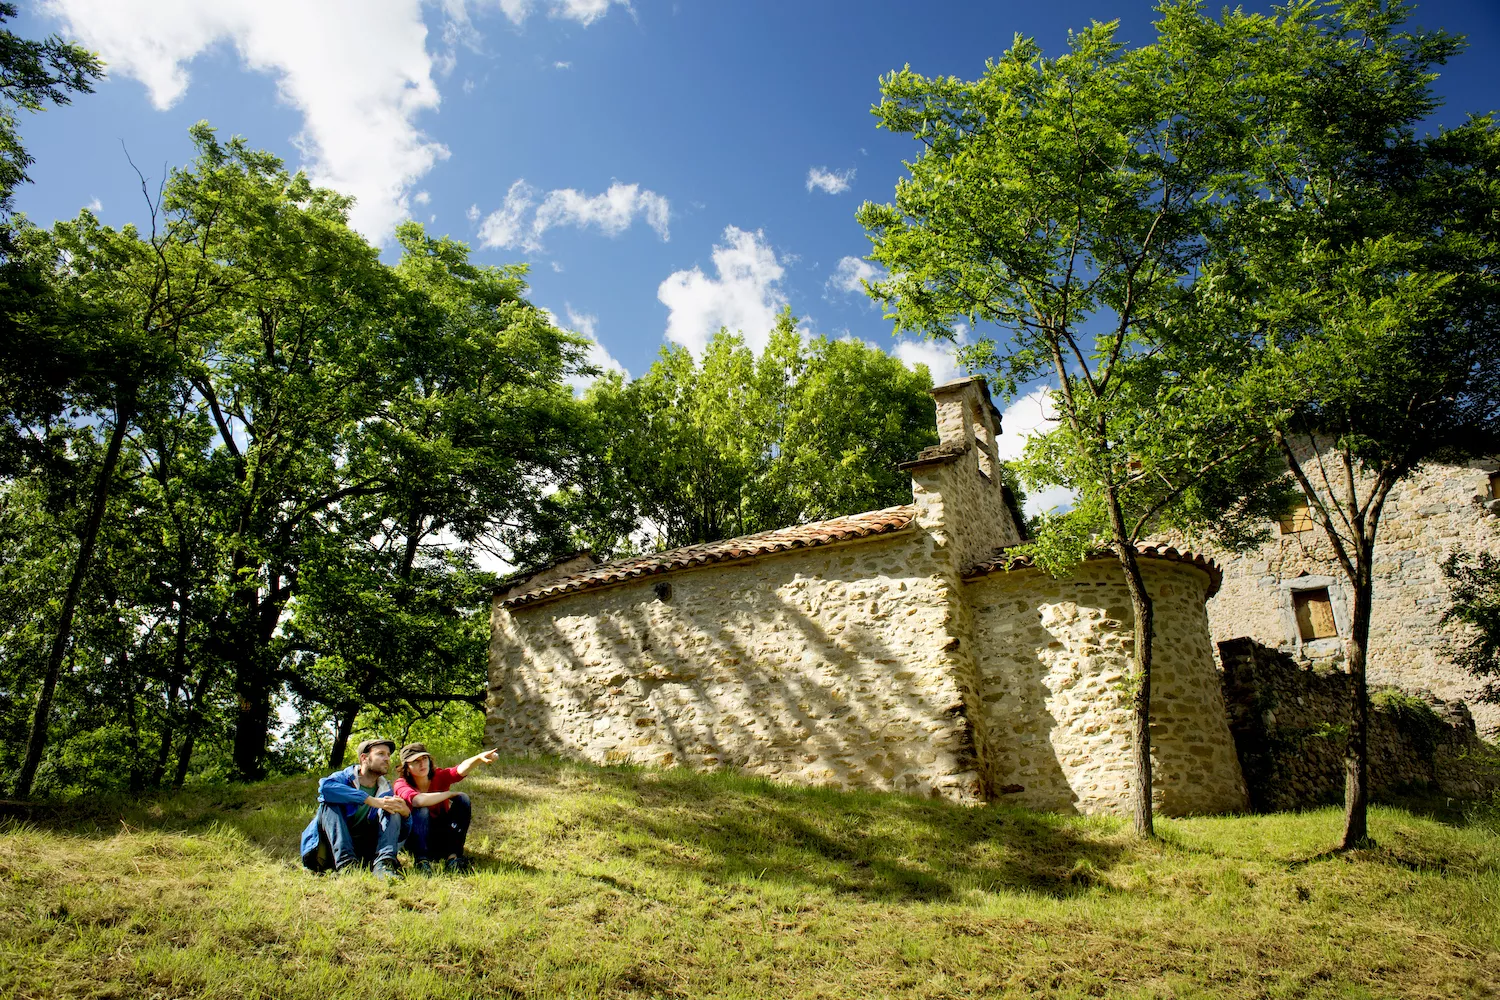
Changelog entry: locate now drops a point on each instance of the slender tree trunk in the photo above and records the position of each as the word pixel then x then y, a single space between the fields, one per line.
pixel 174 686
pixel 191 721
pixel 341 736
pixel 1144 610
pixel 37 741
pixel 1356 750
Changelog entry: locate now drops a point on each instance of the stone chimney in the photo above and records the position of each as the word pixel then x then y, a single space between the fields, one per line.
pixel 956 483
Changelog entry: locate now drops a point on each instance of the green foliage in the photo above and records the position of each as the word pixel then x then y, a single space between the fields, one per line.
pixel 1064 202
pixel 697 451
pixel 265 459
pixel 1474 607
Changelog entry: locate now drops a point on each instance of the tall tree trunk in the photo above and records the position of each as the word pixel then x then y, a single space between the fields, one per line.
pixel 252 721
pixel 174 686
pixel 37 741
pixel 1356 749
pixel 347 716
pixel 192 720
pixel 1144 610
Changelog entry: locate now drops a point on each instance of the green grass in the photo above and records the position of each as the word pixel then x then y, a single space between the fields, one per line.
pixel 634 883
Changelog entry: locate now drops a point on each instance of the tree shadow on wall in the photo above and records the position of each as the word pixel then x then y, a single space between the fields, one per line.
pixel 879 846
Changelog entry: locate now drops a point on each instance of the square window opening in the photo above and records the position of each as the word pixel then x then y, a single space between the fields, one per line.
pixel 1299 518
pixel 1314 610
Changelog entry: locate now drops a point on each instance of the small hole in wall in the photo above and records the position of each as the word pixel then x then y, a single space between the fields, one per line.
pixel 663 592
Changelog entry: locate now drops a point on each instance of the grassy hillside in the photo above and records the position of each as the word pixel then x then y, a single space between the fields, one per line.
pixel 629 883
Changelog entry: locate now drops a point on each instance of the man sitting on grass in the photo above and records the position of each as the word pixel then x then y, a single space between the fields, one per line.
pixel 359 821
pixel 439 817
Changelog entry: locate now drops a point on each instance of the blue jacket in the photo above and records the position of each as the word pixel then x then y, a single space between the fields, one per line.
pixel 341 788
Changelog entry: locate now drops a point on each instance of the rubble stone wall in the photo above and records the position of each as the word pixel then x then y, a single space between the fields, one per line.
pixel 1441 510
pixel 830 666
pixel 1056 660
pixel 1290 721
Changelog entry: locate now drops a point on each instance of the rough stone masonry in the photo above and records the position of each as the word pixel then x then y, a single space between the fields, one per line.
pixel 898 649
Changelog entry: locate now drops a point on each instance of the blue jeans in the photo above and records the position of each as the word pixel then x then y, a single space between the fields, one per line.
pixel 437 835
pixel 375 838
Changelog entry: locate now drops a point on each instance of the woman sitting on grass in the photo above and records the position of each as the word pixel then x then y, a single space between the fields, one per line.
pixel 439 817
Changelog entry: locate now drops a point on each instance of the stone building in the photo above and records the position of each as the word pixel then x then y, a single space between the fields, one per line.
pixel 891 650
pixel 1291 593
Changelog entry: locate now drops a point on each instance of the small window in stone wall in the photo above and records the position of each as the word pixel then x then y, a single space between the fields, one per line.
pixel 1495 485
pixel 1314 614
pixel 1299 518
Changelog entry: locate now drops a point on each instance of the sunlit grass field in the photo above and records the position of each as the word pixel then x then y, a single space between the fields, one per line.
pixel 620 882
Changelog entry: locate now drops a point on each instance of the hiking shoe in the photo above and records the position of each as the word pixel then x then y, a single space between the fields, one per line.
pixel 457 866
pixel 424 867
pixel 385 870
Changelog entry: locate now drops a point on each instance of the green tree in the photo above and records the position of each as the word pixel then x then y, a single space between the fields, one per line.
pixel 1064 203
pixel 734 444
pixel 1361 263
pixel 473 424
pixel 1474 606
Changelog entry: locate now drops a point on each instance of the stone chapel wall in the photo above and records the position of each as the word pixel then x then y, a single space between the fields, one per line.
pixel 1055 657
pixel 831 665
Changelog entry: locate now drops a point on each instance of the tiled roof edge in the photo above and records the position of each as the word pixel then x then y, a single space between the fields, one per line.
pixel 852 527
pixel 1004 560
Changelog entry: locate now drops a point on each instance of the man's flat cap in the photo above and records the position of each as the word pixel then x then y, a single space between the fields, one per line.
pixel 369 745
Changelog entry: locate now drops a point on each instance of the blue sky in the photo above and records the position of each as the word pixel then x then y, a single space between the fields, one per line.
pixel 665 166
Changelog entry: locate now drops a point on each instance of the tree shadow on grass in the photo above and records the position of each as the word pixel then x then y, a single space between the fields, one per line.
pixel 726 828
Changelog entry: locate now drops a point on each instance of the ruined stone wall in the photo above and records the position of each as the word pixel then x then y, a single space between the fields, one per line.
pixel 1055 658
pixel 1290 721
pixel 1431 515
pixel 833 665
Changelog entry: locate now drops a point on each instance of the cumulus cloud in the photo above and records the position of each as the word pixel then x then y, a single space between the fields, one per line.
pixel 829 181
pixel 421 198
pixel 586 324
pixel 1031 414
pixel 360 74
pixel 96 206
pixel 939 356
pixel 850 271
pixel 505 227
pixel 612 213
pixel 744 295
pixel 585 12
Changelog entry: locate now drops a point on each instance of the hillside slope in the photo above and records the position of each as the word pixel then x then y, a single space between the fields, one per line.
pixel 630 883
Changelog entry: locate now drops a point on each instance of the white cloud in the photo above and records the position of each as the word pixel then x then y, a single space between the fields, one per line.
pixel 562 64
pixel 850 272
pixel 612 212
pixel 829 181
pixel 504 227
pixel 359 73
pixel 587 325
pixel 937 355
pixel 1031 414
pixel 96 206
pixel 744 297
pixel 585 12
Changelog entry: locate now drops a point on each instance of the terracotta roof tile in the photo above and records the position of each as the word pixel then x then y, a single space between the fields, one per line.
pixel 1002 559
pixel 838 529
